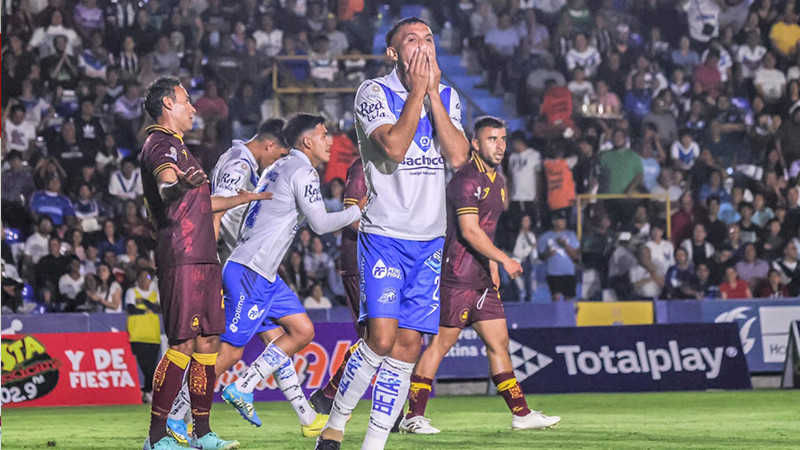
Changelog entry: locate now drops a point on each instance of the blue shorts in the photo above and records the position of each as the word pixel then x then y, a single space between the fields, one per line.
pixel 400 280
pixel 253 304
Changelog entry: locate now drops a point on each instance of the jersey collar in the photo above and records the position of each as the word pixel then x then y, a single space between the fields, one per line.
pixel 393 83
pixel 153 128
pixel 482 167
pixel 298 154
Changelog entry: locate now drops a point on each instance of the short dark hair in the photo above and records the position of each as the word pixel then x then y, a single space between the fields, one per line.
pixel 298 125
pixel 17 108
pixel 154 97
pixel 486 122
pixel 407 21
pixel 273 128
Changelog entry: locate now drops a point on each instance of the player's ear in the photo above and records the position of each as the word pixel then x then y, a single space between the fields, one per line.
pixel 391 52
pixel 167 102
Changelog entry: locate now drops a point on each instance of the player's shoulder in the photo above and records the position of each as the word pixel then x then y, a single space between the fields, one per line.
pixel 355 167
pixel 160 138
pixel 237 155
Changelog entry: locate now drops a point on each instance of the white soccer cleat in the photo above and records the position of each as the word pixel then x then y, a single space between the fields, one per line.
pixel 418 425
pixel 535 420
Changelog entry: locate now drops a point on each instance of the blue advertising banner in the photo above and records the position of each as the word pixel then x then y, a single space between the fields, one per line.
pixel 63 323
pixel 315 363
pixel 467 358
pixel 633 358
pixel 763 325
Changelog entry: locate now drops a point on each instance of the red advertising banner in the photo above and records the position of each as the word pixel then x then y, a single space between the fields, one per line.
pixel 68 369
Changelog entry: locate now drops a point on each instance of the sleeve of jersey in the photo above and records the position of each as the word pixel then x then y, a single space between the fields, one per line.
pixel 355 188
pixel 309 201
pixel 159 157
pixel 455 110
pixel 372 107
pixel 463 194
pixel 230 178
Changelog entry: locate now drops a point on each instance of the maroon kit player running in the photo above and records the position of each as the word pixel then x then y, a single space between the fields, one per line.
pixel 180 207
pixel 475 199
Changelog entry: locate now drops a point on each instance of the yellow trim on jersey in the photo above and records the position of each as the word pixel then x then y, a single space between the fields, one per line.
pixel 350 201
pixel 482 167
pixel 162 167
pixel 466 210
pixel 165 130
pixel 177 358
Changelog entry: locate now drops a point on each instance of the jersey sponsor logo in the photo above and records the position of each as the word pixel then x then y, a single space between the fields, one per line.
pixel 388 296
pixel 253 313
pixel 423 161
pixel 173 154
pixel 435 261
pixel 371 110
pixel 424 142
pixel 312 193
pixel 379 270
pixel 195 322
pixel 230 181
pixel 464 315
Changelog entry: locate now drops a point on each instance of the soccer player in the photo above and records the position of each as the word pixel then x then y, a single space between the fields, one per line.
pixel 238 169
pixel 408 124
pixel 180 206
pixel 355 189
pixel 255 296
pixel 470 279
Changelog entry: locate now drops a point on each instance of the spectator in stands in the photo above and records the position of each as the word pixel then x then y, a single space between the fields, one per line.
pixel 36 246
pixel 685 150
pixel 111 240
pixel 734 287
pixel 663 120
pixel 669 185
pixel 789 268
pixel 165 60
pixel 714 188
pixel 751 55
pixel 108 295
pixel 637 100
pixel 51 266
pixel 61 67
pixel 661 250
pixel 684 57
pixel 559 181
pixel 680 280
pixel 70 283
pixel 707 78
pixel 772 244
pixel 88 210
pixel 317 262
pixel 524 179
pixel 52 202
pixel 144 327
pixel 773 288
pixel 317 300
pixel 269 39
pixel 500 43
pixel 128 114
pixel 706 289
pixel 525 253
pixel 296 273
pixel 126 183
pixel 132 224
pixel 583 55
pixel 770 83
pixel 647 279
pixel 19 132
pixel 785 34
pixel 88 17
pixel 17 188
pixel 559 249
pixel 73 241
pixel 43 38
pixel 751 268
pixel 697 248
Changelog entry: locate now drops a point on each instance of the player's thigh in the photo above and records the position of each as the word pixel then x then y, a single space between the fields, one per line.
pixel 246 295
pixel 228 356
pixel 445 340
pixel 269 332
pixel 494 334
pixel 382 277
pixel 457 306
pixel 419 308
pixel 298 327
pixel 180 306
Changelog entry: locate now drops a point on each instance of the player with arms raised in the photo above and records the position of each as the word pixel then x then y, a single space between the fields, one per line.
pixel 255 296
pixel 180 206
pixel 470 279
pixel 408 124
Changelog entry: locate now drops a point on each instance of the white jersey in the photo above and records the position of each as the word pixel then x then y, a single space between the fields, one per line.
pixel 270 225
pixel 236 169
pixel 406 200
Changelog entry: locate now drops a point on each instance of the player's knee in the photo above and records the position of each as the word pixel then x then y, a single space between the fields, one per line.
pixel 306 333
pixel 381 344
pixel 207 344
pixel 497 345
pixel 185 347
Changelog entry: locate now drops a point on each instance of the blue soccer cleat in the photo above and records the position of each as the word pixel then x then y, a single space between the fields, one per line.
pixel 213 442
pixel 178 430
pixel 166 443
pixel 242 402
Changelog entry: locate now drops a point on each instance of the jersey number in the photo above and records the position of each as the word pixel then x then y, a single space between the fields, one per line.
pixel 250 220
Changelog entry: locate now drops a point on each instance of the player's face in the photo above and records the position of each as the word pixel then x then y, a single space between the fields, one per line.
pixel 182 111
pixel 491 145
pixel 409 38
pixel 320 143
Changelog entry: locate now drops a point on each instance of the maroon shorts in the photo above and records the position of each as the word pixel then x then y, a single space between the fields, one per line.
pixel 191 301
pixel 462 307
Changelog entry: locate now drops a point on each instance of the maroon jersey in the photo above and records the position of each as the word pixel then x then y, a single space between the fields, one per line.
pixel 185 230
pixel 471 191
pixel 355 188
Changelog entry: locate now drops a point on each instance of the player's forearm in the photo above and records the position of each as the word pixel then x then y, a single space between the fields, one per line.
pixel 171 191
pixel 221 204
pixel 478 240
pixel 323 222
pixel 396 141
pixel 454 145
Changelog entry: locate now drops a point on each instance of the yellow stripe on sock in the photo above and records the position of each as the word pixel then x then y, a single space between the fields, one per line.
pixel 178 358
pixel 506 385
pixel 206 359
pixel 420 386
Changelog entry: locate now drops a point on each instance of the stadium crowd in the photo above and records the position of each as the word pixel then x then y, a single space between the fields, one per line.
pixel 694 101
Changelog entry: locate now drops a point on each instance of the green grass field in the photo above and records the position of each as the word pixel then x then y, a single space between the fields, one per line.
pixel 748 419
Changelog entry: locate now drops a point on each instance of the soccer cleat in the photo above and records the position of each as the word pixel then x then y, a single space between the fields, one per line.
pixel 213 442
pixel 315 427
pixel 534 420
pixel 327 444
pixel 320 403
pixel 178 430
pixel 242 402
pixel 165 443
pixel 418 425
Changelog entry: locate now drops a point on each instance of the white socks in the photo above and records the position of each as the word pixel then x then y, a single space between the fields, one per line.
pixel 357 376
pixel 182 406
pixel 286 377
pixel 388 398
pixel 269 361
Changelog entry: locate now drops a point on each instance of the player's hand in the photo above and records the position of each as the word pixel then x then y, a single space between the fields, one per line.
pixel 417 72
pixel 192 178
pixel 362 203
pixel 435 73
pixel 248 196
pixel 513 268
pixel 496 279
